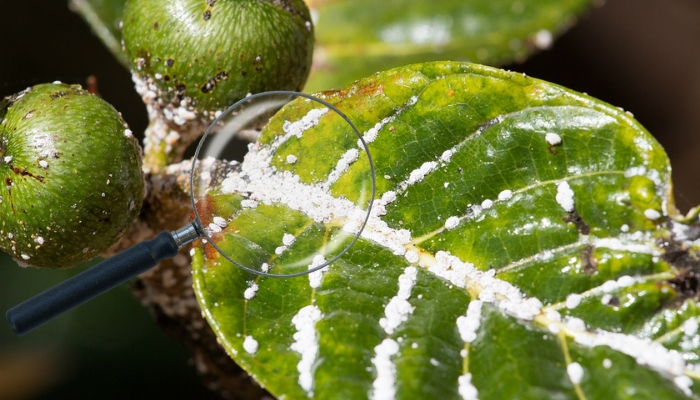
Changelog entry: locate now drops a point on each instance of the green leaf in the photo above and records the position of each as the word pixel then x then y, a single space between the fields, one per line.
pixel 523 244
pixel 104 17
pixel 355 38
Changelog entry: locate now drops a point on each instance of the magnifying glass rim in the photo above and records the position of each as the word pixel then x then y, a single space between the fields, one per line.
pixel 198 221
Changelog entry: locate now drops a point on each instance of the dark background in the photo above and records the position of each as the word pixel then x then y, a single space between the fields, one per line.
pixel 641 55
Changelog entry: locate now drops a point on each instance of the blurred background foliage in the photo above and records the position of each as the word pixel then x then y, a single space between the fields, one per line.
pixel 642 55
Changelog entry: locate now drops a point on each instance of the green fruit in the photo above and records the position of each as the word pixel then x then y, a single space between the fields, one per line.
pixel 70 172
pixel 193 57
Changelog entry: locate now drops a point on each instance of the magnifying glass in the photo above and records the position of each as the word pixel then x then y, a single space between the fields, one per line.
pixel 286 211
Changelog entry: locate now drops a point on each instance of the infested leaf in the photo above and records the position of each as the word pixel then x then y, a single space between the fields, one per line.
pixel 523 244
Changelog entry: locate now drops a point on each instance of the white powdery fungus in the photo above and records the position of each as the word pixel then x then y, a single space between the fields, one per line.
pixel 505 195
pixel 576 324
pixel 251 291
pixel 451 223
pixel 575 372
pixel 565 196
pixel 502 294
pixel 297 128
pixel 469 324
pixel 447 155
pixel 690 327
pixel 645 351
pixel 412 256
pixel 371 135
pixel 398 309
pixel 652 214
pixel 624 245
pixel 250 345
pixel 573 300
pixel 288 239
pixel 316 277
pixel 220 222
pixel 466 389
pixel 553 139
pixel 281 249
pixel 384 385
pixel 684 383
pixel 306 344
pixel 417 175
pixel 343 164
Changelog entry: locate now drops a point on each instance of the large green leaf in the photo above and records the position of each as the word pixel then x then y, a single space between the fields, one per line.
pixel 524 244
pixel 355 38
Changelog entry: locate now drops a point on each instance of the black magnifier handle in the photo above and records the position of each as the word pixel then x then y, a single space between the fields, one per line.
pixel 94 281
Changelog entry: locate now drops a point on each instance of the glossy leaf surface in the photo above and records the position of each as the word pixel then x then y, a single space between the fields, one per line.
pixel 355 38
pixel 523 244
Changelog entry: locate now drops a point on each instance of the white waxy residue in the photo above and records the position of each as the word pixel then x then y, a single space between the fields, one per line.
pixel 371 135
pixel 466 389
pixel 447 155
pixel 565 196
pixel 306 122
pixel 348 158
pixel 644 350
pixel 291 159
pixel 607 363
pixel 384 385
pixel 412 256
pixel 486 204
pixel 575 372
pixel 573 300
pixel 451 223
pixel 288 239
pixel 505 195
pixel 684 383
pixel 552 138
pixel 398 309
pixel 220 222
pixel 417 175
pixel 306 344
pixel 251 290
pixel 690 327
pixel 652 214
pixel 250 345
pixel 43 164
pixel 469 324
pixel 316 277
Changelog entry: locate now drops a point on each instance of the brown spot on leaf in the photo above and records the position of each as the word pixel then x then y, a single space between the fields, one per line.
pixel 169 62
pixel 576 219
pixel 207 15
pixel 590 264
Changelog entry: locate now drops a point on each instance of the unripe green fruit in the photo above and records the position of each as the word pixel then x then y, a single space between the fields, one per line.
pixel 70 176
pixel 194 57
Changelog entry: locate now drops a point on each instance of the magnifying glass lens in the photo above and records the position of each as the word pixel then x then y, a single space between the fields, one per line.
pixel 302 194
